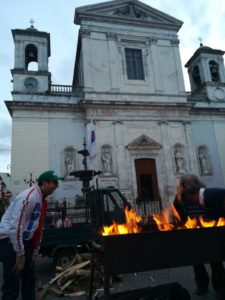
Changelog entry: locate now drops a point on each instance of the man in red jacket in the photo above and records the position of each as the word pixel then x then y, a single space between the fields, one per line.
pixel 20 236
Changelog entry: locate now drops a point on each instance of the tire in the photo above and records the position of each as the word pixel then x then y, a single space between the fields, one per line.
pixel 63 257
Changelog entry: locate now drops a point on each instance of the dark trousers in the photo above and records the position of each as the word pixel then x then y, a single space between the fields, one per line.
pixel 218 277
pixel 13 281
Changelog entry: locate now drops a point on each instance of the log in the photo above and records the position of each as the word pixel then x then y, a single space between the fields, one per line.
pixel 83 272
pixel 76 294
pixel 55 291
pixel 57 276
pixel 97 246
pixel 73 269
pixel 66 284
pixel 41 295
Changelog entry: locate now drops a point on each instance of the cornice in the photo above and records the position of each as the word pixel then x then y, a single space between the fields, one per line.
pixel 40 106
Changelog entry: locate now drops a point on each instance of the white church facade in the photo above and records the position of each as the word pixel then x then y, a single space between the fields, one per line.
pixel 128 87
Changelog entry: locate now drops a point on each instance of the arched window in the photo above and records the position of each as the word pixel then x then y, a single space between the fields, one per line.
pixel 31 57
pixel 214 71
pixel 196 77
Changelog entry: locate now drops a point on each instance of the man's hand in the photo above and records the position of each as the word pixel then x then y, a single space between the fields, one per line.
pixel 19 265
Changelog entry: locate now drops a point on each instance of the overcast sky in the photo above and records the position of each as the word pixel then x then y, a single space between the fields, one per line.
pixel 202 18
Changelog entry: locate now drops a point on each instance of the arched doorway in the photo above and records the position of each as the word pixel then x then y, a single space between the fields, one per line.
pixel 147 185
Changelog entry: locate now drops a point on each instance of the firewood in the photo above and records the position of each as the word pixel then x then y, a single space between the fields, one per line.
pixel 76 294
pixel 79 258
pixel 68 272
pixel 97 246
pixel 86 256
pixel 55 291
pixel 73 261
pixel 57 277
pixel 66 285
pixel 41 295
pixel 83 272
pixel 73 269
pixel 39 286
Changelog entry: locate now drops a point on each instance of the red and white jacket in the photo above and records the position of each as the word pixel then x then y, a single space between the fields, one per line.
pixel 24 219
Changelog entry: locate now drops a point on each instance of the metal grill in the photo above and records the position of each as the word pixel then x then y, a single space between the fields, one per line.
pixel 151 250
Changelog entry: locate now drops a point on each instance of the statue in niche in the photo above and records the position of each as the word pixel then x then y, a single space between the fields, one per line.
pixel 179 161
pixel 203 163
pixel 107 161
pixel 69 162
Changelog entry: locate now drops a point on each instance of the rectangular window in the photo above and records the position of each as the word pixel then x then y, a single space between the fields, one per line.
pixel 134 63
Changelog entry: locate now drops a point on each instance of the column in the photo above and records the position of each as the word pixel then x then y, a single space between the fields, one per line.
pixel 155 63
pixel 42 57
pixel 86 58
pixel 120 154
pixel 113 58
pixel 177 61
pixel 169 179
pixel 19 60
pixel 192 163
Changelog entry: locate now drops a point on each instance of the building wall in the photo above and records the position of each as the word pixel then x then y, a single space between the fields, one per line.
pixel 30 150
pixel 119 127
pixel 39 141
pixel 220 139
pixel 66 130
pixel 107 72
pixel 207 134
pixel 123 111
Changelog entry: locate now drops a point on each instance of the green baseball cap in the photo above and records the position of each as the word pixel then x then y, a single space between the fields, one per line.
pixel 49 175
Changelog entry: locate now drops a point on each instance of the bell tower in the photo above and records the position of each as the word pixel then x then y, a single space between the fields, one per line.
pixel 32 50
pixel 207 73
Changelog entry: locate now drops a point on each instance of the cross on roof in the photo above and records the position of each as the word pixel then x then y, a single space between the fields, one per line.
pixel 200 40
pixel 31 21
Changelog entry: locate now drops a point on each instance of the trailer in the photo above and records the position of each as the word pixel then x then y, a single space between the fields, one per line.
pixel 69 230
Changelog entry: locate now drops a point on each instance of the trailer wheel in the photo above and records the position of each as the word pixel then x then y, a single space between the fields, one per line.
pixel 63 257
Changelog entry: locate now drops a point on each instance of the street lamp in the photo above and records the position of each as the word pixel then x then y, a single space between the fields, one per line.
pixel 30 181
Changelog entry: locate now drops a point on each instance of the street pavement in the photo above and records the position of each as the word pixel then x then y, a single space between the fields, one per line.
pixel 182 275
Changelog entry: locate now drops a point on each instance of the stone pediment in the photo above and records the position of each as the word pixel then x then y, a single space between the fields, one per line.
pixel 127 12
pixel 143 143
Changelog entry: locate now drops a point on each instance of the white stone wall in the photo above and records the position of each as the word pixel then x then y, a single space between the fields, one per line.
pixel 30 151
pixel 105 66
pixel 120 127
pixel 220 138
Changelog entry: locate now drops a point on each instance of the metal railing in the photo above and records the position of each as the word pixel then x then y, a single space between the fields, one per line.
pixel 145 209
pixel 196 96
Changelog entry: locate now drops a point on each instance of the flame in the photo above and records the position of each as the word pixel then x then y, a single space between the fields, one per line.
pixel 191 223
pixel 168 219
pixel 163 220
pixel 131 226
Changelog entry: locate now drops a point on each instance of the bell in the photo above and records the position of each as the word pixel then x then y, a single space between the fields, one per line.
pixel 31 55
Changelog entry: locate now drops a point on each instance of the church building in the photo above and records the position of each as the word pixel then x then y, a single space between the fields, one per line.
pixel 128 93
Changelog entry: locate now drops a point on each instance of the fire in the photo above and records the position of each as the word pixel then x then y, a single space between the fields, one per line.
pixel 168 219
pixel 163 222
pixel 131 226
